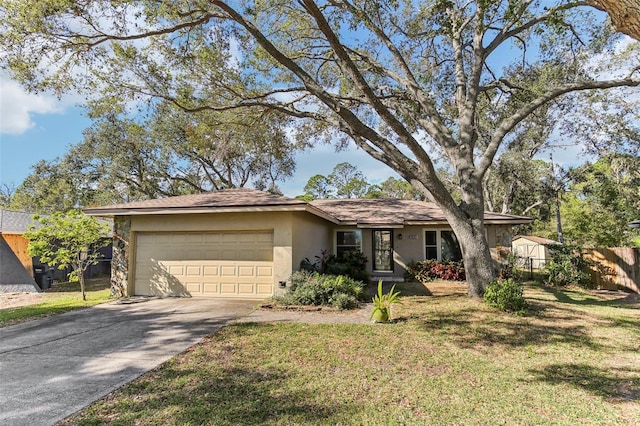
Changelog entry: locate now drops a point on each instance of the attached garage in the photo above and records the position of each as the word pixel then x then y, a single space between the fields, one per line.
pixel 204 264
pixel 243 243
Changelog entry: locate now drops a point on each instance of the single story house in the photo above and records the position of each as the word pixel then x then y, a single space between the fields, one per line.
pixel 533 250
pixel 243 243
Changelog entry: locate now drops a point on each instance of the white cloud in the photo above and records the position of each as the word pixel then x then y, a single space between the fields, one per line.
pixel 17 107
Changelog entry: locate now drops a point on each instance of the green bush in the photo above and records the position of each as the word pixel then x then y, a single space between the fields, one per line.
pixel 506 295
pixel 351 264
pixel 431 269
pixel 566 267
pixel 315 289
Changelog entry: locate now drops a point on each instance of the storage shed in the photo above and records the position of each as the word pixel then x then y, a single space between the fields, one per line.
pixel 532 250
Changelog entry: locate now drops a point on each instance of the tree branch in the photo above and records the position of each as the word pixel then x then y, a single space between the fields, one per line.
pixel 508 124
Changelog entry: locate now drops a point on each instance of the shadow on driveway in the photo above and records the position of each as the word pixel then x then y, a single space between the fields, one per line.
pixel 52 367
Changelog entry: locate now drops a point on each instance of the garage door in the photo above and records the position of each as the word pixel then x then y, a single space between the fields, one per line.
pixel 210 264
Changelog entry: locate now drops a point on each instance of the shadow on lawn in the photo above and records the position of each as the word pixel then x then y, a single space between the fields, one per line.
pixel 582 298
pixel 223 396
pixel 609 383
pixel 467 331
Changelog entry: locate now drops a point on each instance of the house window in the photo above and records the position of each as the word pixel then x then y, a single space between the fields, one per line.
pixel 383 250
pixel 431 245
pixel 442 245
pixel 348 241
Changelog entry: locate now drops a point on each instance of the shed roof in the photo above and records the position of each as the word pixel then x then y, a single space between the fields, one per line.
pixel 538 240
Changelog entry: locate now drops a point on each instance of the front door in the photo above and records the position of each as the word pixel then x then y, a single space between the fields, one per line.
pixel 382 250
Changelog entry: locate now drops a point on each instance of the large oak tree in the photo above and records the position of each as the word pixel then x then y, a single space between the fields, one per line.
pixel 411 83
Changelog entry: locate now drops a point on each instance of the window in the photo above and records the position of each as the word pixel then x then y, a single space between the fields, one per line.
pixel 382 250
pixel 431 244
pixel 442 245
pixel 348 241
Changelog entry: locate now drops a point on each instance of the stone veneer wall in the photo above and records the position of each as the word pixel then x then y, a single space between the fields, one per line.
pixel 120 259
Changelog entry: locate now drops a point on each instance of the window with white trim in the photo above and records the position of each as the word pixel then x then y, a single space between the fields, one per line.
pixel 441 245
pixel 350 240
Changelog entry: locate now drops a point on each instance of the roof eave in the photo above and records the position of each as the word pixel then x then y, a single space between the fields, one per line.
pixel 192 210
pixel 515 221
pixel 321 213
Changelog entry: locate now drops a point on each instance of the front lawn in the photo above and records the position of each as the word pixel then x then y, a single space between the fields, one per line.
pixel 61 297
pixel 574 359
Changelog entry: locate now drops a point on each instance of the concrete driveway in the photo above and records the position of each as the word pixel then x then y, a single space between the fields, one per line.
pixel 53 367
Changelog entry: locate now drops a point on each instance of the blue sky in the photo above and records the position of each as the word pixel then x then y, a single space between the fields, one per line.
pixel 42 127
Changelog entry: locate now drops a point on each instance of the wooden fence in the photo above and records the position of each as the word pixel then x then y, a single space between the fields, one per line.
pixel 613 267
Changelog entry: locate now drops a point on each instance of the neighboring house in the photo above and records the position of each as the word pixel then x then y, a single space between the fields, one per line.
pixel 244 243
pixel 16 266
pixel 533 250
pixel 13 277
pixel 13 225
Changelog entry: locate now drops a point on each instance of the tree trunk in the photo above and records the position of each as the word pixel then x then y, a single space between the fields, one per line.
pixel 478 264
pixel 624 14
pixel 467 222
pixel 80 273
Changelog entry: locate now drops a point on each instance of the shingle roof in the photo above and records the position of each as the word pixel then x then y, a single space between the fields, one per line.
pixel 392 211
pixel 15 222
pixel 539 240
pixel 237 197
pixel 361 211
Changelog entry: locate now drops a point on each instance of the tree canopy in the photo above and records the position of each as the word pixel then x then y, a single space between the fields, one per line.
pixel 411 83
pixel 68 239
pixel 171 152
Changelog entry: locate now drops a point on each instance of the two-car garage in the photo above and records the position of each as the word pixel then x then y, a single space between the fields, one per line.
pixel 232 264
pixel 234 243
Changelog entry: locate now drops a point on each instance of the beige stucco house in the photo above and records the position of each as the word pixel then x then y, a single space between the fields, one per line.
pixel 243 243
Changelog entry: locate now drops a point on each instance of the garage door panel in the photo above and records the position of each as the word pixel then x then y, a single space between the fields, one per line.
pixel 246 271
pixel 211 271
pixel 194 270
pixel 241 264
pixel 175 269
pixel 264 271
pixel 246 289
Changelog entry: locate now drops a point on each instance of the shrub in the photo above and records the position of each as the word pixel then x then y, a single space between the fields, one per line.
pixel 566 267
pixel 314 289
pixel 344 301
pixel 351 264
pixel 506 295
pixel 429 270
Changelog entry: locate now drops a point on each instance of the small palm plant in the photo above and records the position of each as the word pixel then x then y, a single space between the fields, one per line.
pixel 382 304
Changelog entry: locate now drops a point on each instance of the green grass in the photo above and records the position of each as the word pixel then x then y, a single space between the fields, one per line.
pixel 574 359
pixel 60 298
